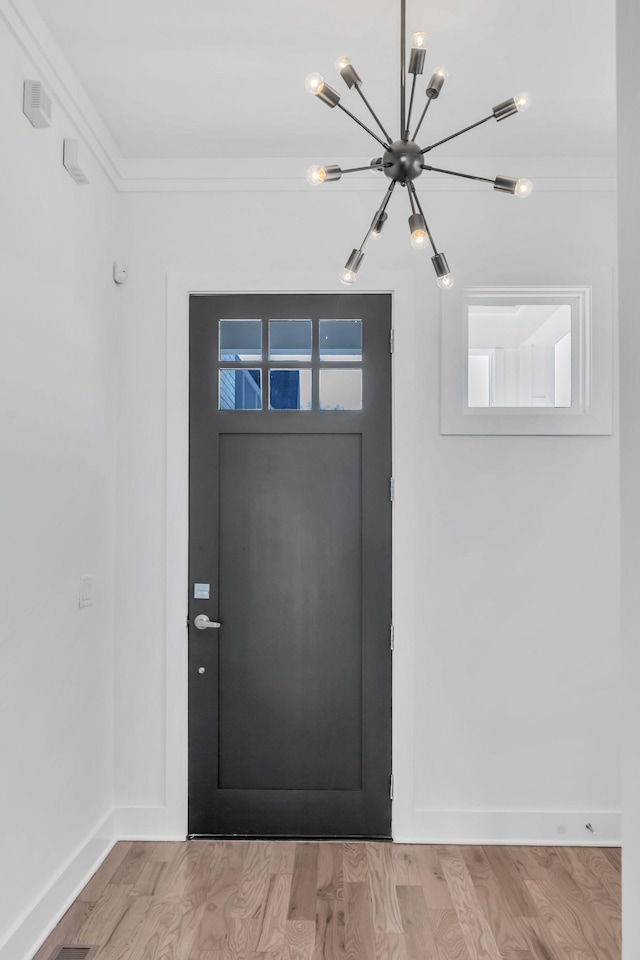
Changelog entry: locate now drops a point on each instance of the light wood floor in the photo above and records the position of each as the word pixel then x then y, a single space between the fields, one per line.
pixel 236 900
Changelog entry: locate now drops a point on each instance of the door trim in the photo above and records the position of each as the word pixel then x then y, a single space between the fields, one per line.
pixel 171 818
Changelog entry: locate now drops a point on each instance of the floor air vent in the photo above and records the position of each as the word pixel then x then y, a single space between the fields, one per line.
pixel 66 952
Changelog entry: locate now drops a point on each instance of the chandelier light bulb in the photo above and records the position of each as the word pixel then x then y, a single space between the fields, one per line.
pixel 446 282
pixel 441 72
pixel 419 234
pixel 350 269
pixel 341 63
pixel 523 189
pixel 379 224
pixel 419 40
pixel 316 175
pixel 522 102
pixel 314 83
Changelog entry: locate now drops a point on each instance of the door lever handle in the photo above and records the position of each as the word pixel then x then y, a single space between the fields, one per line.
pixel 202 622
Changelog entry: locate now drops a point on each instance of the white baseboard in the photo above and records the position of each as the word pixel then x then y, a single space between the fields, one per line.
pixel 34 926
pixel 565 828
pixel 146 823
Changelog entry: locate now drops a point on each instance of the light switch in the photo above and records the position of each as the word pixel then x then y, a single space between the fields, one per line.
pixel 201 591
pixel 85 598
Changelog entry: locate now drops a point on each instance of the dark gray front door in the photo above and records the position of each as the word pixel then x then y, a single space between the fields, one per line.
pixel 290 551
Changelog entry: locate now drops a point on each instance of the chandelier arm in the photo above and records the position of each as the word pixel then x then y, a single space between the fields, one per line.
pixel 413 206
pixel 455 173
pixel 458 134
pixel 372 112
pixel 403 40
pixel 364 126
pixel 405 132
pixel 368 167
pixel 424 113
pixel 412 189
pixel 378 213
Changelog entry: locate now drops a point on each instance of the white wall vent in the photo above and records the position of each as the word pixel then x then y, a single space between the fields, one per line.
pixel 36 104
pixel 73 160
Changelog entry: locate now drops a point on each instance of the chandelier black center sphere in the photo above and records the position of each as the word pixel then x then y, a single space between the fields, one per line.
pixel 403 160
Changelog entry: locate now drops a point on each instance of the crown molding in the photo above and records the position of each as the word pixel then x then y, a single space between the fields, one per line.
pixel 288 174
pixel 210 175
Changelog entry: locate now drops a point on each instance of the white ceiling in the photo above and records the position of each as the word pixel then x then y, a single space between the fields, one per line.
pixel 204 79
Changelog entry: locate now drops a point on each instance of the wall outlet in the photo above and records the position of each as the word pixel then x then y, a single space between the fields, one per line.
pixel 85 598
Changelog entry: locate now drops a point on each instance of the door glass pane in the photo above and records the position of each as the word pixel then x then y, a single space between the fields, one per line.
pixel 341 340
pixel 290 339
pixel 240 340
pixel 290 389
pixel 340 389
pixel 239 390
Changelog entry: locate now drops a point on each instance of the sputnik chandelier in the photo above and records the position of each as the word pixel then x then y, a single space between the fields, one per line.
pixel 403 159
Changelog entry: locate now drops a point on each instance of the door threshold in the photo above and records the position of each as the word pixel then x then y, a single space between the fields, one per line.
pixel 287 836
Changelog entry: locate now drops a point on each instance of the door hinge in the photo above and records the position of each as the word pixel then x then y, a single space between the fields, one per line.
pixel 391 637
pixel 392 489
pixel 391 787
pixel 392 340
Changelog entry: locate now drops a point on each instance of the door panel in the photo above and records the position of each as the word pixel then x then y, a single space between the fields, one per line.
pixel 293 648
pixel 290 526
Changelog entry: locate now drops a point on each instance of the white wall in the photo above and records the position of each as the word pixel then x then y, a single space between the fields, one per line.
pixel 629 236
pixel 58 311
pixel 511 620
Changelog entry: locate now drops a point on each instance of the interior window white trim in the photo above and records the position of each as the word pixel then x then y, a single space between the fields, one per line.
pixel 591 363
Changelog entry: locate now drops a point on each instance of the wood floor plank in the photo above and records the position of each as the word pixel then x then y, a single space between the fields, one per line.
pixel 512 886
pixel 447 935
pixel 494 901
pixel 614 854
pixel 390 946
pixel 282 856
pixel 223 881
pixel 132 864
pixel 330 883
pixel 150 878
pixel 302 903
pixel 187 870
pixel 273 926
pixel 434 885
pixel 169 930
pixel 405 866
pixel 566 921
pixel 609 915
pixel 419 941
pixel 301 937
pixel 355 868
pixel 533 863
pixel 254 881
pixel 96 886
pixel 541 942
pixel 602 868
pixel 358 927
pixel 386 912
pixel 106 914
pixel 478 935
pixel 330 930
pixel 242 939
pixel 66 929
pixel 123 939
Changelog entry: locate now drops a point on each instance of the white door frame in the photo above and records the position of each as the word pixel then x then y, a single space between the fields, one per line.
pixel 171 819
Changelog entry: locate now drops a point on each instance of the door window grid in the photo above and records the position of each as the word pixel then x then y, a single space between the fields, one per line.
pixel 303 364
